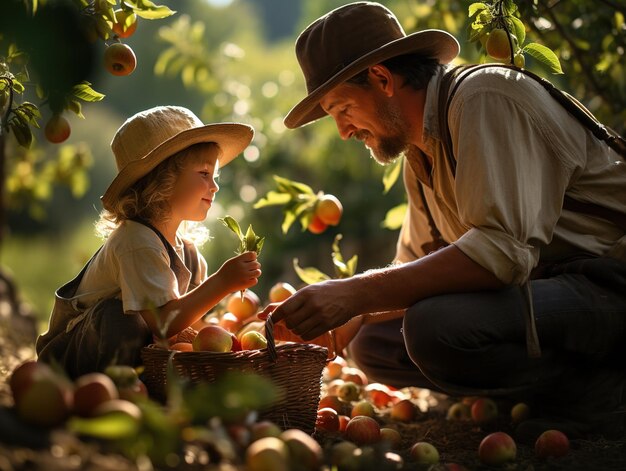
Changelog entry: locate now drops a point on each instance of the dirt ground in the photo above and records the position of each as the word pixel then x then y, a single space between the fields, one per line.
pixel 24 448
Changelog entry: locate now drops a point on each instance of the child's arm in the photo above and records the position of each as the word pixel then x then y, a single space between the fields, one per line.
pixel 235 274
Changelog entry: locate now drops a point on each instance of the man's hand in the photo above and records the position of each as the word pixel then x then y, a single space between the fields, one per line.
pixel 316 309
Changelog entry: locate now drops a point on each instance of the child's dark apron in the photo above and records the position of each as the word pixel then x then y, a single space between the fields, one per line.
pixel 86 340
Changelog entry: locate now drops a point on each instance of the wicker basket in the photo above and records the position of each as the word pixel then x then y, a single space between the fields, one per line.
pixel 295 368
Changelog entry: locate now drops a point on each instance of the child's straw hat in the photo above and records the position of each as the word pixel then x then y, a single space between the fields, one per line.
pixel 149 137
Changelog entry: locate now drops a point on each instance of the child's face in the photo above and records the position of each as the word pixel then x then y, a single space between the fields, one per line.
pixel 195 188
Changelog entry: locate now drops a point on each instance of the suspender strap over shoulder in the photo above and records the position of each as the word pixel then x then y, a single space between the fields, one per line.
pixel 573 106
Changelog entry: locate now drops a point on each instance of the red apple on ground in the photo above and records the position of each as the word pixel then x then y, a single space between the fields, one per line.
pixel 404 411
pixel 363 430
pixel 496 449
pixel 253 340
pixel 213 338
pixel 304 452
pixel 424 453
pixel 327 420
pixel 378 394
pixel 267 454
pixel 334 402
pixel 552 443
pixel 343 422
pixel 281 291
pixel 92 390
pixel 24 374
pixel 243 309
pixel 484 410
pixel 334 368
pixel 355 375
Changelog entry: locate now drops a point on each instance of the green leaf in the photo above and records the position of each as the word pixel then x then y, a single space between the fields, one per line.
pixel 395 217
pixel 289 186
pixel 21 131
pixel 155 13
pixel 272 198
pixel 309 275
pixel 545 56
pixel 392 172
pixel 76 107
pixel 288 220
pixel 83 91
pixel 112 426
pixel 519 30
pixel 233 225
pixel 475 8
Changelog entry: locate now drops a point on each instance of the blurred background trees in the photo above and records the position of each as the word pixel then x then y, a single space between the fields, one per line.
pixel 234 61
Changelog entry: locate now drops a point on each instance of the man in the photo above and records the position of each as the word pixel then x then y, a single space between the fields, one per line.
pixel 497 289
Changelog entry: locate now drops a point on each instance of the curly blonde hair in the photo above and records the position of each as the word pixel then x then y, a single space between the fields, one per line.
pixel 149 197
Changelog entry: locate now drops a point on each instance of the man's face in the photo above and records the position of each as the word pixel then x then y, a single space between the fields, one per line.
pixel 368 115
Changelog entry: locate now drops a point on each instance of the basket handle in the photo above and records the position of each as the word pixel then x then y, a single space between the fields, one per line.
pixel 271 342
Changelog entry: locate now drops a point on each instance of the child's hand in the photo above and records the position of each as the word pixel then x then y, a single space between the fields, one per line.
pixel 240 272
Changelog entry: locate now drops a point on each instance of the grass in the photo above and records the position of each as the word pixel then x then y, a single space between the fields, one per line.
pixel 41 264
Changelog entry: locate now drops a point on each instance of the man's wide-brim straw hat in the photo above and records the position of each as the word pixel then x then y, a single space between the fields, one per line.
pixel 150 137
pixel 350 39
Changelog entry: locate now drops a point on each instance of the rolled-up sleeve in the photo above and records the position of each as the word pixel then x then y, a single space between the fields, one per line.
pixel 509 181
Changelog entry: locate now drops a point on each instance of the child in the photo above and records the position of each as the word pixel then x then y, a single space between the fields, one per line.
pixel 147 279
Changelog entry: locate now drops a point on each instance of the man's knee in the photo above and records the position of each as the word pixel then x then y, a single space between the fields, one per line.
pixel 421 329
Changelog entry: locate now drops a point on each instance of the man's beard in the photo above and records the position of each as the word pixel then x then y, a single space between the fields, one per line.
pixel 391 146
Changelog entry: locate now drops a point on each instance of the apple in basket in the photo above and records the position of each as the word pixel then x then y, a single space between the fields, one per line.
pixel 213 338
pixel 253 340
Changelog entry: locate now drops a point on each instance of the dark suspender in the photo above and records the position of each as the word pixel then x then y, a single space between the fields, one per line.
pixel 573 106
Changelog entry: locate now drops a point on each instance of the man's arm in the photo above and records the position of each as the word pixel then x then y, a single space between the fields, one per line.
pixel 320 307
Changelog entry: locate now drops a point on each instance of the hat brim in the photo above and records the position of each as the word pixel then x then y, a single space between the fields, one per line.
pixel 231 138
pixel 433 43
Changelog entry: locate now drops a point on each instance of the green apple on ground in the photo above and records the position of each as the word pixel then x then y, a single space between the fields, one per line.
pixel 267 454
pixel 349 391
pixel 519 412
pixel 424 453
pixel 391 436
pixel 459 411
pixel 363 407
pixel 305 453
